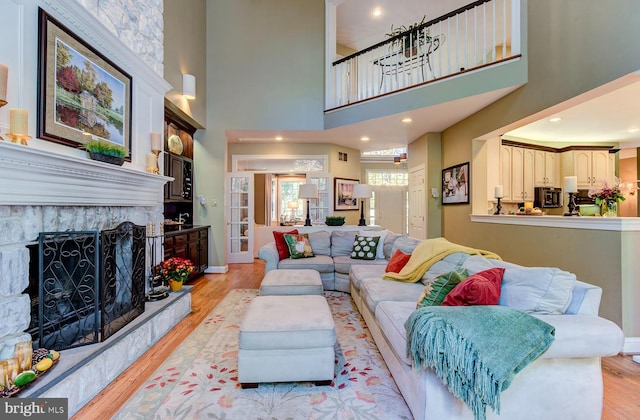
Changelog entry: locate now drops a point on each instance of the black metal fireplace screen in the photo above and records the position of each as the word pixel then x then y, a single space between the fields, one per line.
pixel 85 285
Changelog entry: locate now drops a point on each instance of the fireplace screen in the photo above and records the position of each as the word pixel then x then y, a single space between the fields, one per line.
pixel 85 286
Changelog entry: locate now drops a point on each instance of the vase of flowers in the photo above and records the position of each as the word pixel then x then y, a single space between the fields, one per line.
pixel 607 198
pixel 176 271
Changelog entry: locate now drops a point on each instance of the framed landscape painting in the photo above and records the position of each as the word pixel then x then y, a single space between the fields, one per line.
pixel 82 94
pixel 343 193
pixel 455 184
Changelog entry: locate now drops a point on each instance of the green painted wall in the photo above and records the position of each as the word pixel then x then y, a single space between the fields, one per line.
pixel 265 70
pixel 573 47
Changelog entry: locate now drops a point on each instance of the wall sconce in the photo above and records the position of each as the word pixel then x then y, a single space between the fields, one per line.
pixel 189 86
pixel 403 157
pixel 396 160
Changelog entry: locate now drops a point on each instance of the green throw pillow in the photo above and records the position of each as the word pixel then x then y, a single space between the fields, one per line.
pixel 435 292
pixel 365 247
pixel 299 245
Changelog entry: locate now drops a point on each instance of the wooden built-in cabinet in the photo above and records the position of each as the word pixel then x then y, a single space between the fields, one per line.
pixel 545 168
pixel 591 167
pixel 192 243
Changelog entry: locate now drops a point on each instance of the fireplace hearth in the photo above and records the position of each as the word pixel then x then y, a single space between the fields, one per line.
pixel 84 286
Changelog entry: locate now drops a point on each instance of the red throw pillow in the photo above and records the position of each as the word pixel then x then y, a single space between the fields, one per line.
pixel 281 244
pixel 397 262
pixel 482 288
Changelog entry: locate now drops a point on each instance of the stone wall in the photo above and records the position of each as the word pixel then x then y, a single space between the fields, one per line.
pixel 139 24
pixel 20 226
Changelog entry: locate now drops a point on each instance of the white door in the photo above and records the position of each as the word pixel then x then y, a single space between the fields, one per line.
pixel 417 207
pixel 240 222
pixel 390 208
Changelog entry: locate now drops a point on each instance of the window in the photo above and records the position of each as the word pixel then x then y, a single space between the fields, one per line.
pixel 287 207
pixel 398 177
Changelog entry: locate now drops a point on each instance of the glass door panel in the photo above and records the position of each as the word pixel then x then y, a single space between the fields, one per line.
pixel 240 221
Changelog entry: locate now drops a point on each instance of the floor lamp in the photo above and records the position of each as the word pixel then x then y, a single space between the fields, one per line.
pixel 362 191
pixel 308 191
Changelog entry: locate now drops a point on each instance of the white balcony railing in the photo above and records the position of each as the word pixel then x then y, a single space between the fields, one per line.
pixel 476 35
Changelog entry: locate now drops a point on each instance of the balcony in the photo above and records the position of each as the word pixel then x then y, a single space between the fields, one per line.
pixel 479 36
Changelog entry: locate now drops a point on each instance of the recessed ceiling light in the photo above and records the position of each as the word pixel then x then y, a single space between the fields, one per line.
pixel 633 130
pixel 554 119
pixel 376 12
pixel 278 138
pixel 406 120
pixel 364 138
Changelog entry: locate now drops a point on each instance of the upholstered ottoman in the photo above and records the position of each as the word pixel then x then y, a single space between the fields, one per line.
pixel 287 339
pixel 291 282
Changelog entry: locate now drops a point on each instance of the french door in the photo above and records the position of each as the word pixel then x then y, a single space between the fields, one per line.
pixel 240 218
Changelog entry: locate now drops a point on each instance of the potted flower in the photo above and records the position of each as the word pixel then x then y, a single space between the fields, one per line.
pixel 176 271
pixel 334 220
pixel 607 198
pixel 105 151
pixel 413 36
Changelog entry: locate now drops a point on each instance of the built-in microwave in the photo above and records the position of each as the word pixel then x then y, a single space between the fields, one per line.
pixel 547 197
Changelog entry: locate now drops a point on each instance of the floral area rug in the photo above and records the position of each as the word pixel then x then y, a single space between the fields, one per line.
pixel 199 379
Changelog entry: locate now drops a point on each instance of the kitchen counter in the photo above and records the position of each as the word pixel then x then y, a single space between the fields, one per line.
pixel 620 224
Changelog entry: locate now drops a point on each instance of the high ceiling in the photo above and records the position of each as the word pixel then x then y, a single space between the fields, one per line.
pixel 606 115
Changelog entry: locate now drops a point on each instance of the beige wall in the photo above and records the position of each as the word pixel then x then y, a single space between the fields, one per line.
pixel 628 173
pixel 184 47
pixel 565 59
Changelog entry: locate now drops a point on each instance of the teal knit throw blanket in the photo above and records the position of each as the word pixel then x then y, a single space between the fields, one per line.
pixel 476 350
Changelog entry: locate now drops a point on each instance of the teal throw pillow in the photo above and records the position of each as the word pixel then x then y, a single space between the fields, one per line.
pixel 365 247
pixel 299 245
pixel 435 292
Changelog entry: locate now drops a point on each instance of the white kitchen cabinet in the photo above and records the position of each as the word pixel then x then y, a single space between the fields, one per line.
pixel 591 167
pixel 545 168
pixel 517 173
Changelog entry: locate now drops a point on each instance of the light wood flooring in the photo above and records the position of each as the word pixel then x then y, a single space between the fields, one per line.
pixel 621 374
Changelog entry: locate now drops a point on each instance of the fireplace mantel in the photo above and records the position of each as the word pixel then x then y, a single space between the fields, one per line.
pixel 32 176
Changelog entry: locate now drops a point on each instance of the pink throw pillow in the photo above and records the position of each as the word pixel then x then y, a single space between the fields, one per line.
pixel 482 288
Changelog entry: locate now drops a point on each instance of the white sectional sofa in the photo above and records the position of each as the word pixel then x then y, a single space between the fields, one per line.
pixel 564 383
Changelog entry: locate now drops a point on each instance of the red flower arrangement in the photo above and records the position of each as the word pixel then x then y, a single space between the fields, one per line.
pixel 608 194
pixel 176 268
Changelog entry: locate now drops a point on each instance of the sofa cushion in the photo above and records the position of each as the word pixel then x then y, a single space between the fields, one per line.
pixel 320 242
pixel 343 264
pixel 342 242
pixel 389 240
pixel 365 247
pixel 320 263
pixel 375 290
pixel 391 316
pixel 434 293
pixel 405 244
pixel 359 272
pixel 281 244
pixel 540 290
pixel 299 245
pixel 397 262
pixel 481 288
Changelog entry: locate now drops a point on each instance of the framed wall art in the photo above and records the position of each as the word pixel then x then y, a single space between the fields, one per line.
pixel 455 184
pixel 343 193
pixel 82 94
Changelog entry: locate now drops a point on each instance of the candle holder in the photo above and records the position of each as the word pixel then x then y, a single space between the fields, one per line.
pixel 572 206
pixel 156 168
pixel 19 138
pixel 498 207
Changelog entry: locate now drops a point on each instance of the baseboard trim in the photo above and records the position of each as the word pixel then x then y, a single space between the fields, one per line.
pixel 217 269
pixel 631 345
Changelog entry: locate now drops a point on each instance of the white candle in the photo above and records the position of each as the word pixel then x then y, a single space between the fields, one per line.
pixel 156 141
pixel 498 191
pixel 4 75
pixel 18 121
pixel 570 184
pixel 151 162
